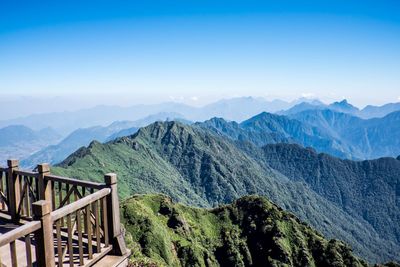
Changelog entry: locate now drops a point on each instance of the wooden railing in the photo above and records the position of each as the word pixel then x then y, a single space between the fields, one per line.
pixel 72 222
pixel 3 189
pixel 10 238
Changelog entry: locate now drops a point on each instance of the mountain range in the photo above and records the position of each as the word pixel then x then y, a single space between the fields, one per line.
pixel 18 141
pixel 196 166
pixel 335 133
pixel 82 137
pixel 344 106
pixel 66 122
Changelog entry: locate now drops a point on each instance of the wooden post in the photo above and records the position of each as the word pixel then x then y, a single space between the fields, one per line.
pixel 114 224
pixel 44 236
pixel 44 185
pixel 13 189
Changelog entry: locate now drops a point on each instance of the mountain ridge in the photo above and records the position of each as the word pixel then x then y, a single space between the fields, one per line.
pixel 198 167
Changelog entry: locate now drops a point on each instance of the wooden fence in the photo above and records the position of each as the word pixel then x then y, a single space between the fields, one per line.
pixel 67 222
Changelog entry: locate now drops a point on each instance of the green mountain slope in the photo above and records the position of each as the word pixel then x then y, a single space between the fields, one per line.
pixel 369 189
pixel 197 167
pixel 250 232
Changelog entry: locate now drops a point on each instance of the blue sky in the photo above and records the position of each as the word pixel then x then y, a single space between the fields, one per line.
pixel 198 51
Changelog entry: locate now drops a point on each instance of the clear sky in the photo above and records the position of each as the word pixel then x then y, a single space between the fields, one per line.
pixel 152 51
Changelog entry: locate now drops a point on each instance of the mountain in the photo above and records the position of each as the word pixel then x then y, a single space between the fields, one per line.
pixel 302 107
pixel 379 111
pixel 266 128
pixel 82 137
pixel 363 139
pixel 368 189
pixel 163 116
pixel 55 153
pixel 18 141
pixel 251 231
pixel 66 122
pixel 343 106
pixel 196 166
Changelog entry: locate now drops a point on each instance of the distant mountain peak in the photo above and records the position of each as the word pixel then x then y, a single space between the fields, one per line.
pixel 344 106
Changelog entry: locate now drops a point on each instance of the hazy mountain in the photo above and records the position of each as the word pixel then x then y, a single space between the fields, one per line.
pixel 338 134
pixel 82 137
pixel 66 122
pixel 302 107
pixel 17 141
pixel 252 231
pixel 344 107
pixel 195 166
pixel 266 128
pixel 379 111
pixel 364 139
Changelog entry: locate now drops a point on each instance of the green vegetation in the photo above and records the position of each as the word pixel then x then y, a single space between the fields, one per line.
pixel 366 189
pixel 195 166
pixel 250 232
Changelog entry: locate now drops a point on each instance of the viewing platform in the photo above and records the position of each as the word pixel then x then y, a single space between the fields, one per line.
pixel 48 220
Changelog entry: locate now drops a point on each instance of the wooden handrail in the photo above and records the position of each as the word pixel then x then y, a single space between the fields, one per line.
pixel 19 232
pixel 26 173
pixel 73 181
pixel 81 203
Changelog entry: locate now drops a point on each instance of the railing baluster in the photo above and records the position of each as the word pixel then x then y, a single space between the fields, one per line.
pixel 27 195
pixel 13 254
pixel 2 190
pixel 97 226
pixel 20 202
pixel 79 228
pixel 28 250
pixel 60 200
pixel 59 244
pixel 89 231
pixel 105 223
pixel 69 242
pixel 53 195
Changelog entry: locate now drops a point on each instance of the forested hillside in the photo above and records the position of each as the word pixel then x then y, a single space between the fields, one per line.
pixel 195 166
